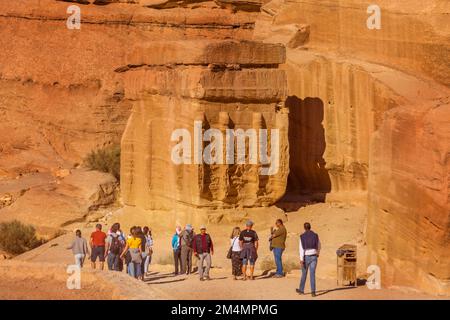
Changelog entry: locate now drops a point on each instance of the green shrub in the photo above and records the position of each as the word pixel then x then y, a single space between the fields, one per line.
pixel 106 159
pixel 17 238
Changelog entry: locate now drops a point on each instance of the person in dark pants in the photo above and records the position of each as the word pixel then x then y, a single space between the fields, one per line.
pixel 278 245
pixel 113 248
pixel 309 253
pixel 203 249
pixel 236 261
pixel 177 250
pixel 186 238
pixel 248 240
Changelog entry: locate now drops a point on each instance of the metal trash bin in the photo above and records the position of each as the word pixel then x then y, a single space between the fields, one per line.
pixel 346 265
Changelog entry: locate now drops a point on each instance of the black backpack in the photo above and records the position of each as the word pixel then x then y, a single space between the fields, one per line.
pixel 115 245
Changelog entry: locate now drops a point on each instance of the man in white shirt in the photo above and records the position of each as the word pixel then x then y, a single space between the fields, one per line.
pixel 309 253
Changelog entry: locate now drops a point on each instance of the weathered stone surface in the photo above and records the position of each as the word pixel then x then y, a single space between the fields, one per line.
pixel 248 85
pixel 351 130
pixel 50 204
pixel 194 52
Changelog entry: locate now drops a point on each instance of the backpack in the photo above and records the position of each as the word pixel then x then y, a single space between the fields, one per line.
pixel 115 245
pixel 187 238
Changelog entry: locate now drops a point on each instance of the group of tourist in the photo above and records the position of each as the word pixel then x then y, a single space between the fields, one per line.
pixel 135 251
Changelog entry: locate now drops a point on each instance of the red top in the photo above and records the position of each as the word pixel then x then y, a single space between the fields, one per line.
pixel 98 238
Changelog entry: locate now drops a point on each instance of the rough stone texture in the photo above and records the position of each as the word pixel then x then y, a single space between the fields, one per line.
pixel 50 203
pixel 364 113
pixel 170 99
pixel 375 131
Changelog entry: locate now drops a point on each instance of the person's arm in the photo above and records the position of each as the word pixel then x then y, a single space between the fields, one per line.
pixel 318 247
pixel 256 245
pixel 91 241
pixel 241 244
pixel 107 246
pixel 124 251
pixel 194 245
pixel 277 233
pixel 71 245
pixel 173 242
pixel 302 251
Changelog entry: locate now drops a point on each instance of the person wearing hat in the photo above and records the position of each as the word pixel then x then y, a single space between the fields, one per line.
pixel 186 238
pixel 203 249
pixel 248 239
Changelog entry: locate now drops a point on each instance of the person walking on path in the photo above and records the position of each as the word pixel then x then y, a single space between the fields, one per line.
pixel 148 249
pixel 114 247
pixel 134 247
pixel 79 248
pixel 186 238
pixel 278 245
pixel 236 261
pixel 98 243
pixel 176 247
pixel 248 240
pixel 309 253
pixel 203 249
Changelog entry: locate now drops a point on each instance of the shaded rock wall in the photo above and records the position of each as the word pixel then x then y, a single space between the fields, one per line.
pixel 385 133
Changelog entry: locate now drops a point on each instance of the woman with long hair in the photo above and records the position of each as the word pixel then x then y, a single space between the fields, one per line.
pixel 236 261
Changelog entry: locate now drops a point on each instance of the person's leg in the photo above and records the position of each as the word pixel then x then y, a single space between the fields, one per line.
pixel 144 257
pixel 277 256
pixel 244 268
pixel 101 257
pixel 131 269
pixel 304 275
pixel 208 265
pixel 146 263
pixel 78 259
pixel 138 270
pixel 110 261
pixel 312 275
pixel 94 257
pixel 252 268
pixel 117 261
pixel 200 265
pixel 184 253
pixel 189 260
pixel 82 260
pixel 175 261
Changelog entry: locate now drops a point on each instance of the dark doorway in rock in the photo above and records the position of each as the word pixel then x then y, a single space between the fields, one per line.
pixel 308 180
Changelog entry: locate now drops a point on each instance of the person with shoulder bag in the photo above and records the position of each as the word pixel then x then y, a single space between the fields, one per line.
pixel 235 253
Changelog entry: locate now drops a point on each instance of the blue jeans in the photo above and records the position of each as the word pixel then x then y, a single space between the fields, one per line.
pixel 277 253
pixel 113 261
pixel 134 269
pixel 311 264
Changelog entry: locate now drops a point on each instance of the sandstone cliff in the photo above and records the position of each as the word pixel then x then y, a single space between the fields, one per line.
pixel 364 113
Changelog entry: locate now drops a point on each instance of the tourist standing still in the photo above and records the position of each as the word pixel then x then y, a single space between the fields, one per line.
pixel 236 261
pixel 248 240
pixel 186 238
pixel 176 247
pixel 309 253
pixel 278 244
pixel 203 249
pixel 98 238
